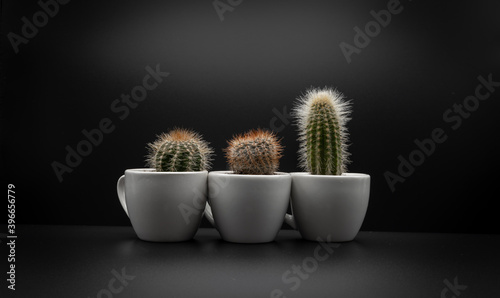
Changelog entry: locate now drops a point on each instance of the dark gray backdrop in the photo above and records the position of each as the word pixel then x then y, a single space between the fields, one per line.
pixel 242 68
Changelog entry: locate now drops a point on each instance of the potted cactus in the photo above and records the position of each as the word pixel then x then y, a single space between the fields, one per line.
pixel 247 204
pixel 328 203
pixel 165 202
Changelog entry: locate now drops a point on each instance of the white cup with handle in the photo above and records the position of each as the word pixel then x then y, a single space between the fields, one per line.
pixel 247 208
pixel 328 208
pixel 163 206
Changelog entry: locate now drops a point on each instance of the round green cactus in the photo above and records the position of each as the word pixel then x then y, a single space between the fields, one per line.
pixel 321 116
pixel 179 150
pixel 256 152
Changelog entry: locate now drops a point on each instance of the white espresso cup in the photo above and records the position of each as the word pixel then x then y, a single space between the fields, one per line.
pixel 163 206
pixel 247 208
pixel 329 208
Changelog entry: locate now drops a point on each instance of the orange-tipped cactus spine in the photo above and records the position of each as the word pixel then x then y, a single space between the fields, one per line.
pixel 179 150
pixel 256 152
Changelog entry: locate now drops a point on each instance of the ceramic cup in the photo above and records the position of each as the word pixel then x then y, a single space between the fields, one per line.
pixel 247 208
pixel 329 208
pixel 163 206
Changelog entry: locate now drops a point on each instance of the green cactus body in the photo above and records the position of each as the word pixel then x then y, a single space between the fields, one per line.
pixel 321 116
pixel 255 153
pixel 179 150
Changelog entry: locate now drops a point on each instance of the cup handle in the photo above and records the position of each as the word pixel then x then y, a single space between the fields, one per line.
pixel 120 188
pixel 208 215
pixel 290 220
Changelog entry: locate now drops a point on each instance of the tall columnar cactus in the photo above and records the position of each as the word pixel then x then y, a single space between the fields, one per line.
pixel 179 150
pixel 321 116
pixel 256 152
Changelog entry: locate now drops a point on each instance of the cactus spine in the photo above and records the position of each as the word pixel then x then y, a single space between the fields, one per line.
pixel 179 150
pixel 321 116
pixel 256 152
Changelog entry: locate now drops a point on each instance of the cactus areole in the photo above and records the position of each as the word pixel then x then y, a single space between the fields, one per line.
pixel 321 116
pixel 179 150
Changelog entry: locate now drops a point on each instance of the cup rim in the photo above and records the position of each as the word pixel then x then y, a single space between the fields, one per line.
pixel 343 176
pixel 152 171
pixel 228 172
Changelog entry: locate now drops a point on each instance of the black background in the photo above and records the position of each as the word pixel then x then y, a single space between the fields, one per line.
pixel 231 75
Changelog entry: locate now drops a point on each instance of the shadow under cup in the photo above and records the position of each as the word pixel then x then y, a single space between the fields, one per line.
pixel 163 206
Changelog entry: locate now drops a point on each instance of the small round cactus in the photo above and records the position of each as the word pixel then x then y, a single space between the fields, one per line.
pixel 256 152
pixel 321 116
pixel 179 150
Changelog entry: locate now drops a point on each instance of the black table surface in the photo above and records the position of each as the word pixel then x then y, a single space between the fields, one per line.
pixel 89 261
